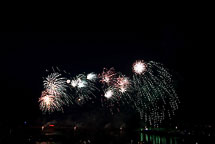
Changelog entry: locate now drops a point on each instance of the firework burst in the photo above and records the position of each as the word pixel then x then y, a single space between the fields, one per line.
pixel 110 100
pixel 109 93
pixel 122 84
pixel 124 88
pixel 149 91
pixel 155 96
pixel 92 77
pixel 116 89
pixel 108 77
pixel 54 96
pixel 139 67
pixel 83 87
pixel 56 85
pixel 50 103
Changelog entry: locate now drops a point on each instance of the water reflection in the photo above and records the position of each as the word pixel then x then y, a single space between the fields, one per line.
pixel 116 136
pixel 47 143
pixel 156 139
pixel 142 139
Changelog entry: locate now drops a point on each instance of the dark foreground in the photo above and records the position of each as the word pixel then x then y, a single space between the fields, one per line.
pixel 54 135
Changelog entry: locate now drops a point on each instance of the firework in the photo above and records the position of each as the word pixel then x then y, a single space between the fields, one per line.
pixel 83 87
pixel 56 85
pixel 108 77
pixel 109 93
pixel 80 100
pixel 110 100
pixel 124 89
pixel 50 103
pixel 92 77
pixel 155 97
pixel 116 87
pixel 139 67
pixel 150 91
pixel 54 96
pixel 68 81
pixel 53 81
pixel 122 84
pixel 74 83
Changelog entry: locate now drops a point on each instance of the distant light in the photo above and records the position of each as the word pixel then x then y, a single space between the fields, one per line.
pixel 51 125
pixel 25 122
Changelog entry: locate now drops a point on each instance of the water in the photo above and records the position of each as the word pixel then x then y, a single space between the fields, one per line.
pixel 146 139
pixel 104 137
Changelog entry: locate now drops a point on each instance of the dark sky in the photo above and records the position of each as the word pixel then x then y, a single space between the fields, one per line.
pixel 28 49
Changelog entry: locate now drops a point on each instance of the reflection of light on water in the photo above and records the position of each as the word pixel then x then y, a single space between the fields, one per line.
pixel 155 139
pixel 47 143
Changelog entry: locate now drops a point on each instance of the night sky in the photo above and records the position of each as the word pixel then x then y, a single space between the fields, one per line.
pixel 29 49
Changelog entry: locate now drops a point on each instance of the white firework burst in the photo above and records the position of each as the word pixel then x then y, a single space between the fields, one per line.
pixel 139 67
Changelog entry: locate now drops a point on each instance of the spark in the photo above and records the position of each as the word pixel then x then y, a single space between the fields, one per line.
pixel 81 83
pixel 122 83
pixel 108 76
pixel 74 83
pixel 109 93
pixel 83 88
pixel 155 97
pixel 68 81
pixel 55 84
pixel 149 91
pixel 91 76
pixel 139 67
pixel 54 96
pixel 47 99
pixel 50 103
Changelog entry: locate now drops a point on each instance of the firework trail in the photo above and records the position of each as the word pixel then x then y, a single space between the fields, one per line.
pixel 83 87
pixel 155 97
